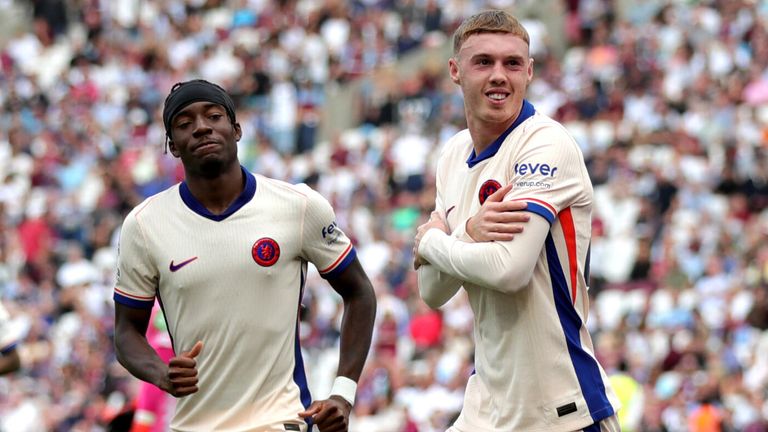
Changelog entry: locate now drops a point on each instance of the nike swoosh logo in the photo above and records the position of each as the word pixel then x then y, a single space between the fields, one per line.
pixel 449 211
pixel 175 267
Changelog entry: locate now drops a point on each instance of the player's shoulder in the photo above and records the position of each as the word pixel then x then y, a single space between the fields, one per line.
pixel 299 192
pixel 540 122
pixel 457 146
pixel 542 130
pixel 459 141
pixel 273 185
pixel 156 205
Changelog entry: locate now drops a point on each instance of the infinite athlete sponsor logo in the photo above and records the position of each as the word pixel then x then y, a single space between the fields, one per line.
pixel 487 189
pixel 535 168
pixel 175 267
pixel 265 252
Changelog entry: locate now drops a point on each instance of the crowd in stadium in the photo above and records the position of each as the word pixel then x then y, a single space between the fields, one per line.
pixel 667 99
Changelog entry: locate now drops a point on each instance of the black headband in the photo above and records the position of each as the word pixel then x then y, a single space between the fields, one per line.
pixel 183 94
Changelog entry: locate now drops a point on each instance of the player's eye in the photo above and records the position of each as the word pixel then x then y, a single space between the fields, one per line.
pixel 215 116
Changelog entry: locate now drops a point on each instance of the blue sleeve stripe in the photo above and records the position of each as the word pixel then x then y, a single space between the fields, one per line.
pixel 342 265
pixel 541 211
pixel 137 304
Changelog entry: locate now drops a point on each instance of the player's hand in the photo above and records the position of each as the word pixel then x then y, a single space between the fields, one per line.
pixel 498 220
pixel 436 220
pixel 181 379
pixel 330 415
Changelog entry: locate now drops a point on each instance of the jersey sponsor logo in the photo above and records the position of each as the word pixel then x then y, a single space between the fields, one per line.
pixel 525 184
pixel 265 252
pixel 176 267
pixel 487 189
pixel 546 170
pixel 331 233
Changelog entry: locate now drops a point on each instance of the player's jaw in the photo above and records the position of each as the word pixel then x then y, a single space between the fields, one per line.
pixel 212 159
pixel 210 155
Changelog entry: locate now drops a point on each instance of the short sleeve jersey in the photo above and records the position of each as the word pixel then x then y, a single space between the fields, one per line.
pixel 233 281
pixel 535 364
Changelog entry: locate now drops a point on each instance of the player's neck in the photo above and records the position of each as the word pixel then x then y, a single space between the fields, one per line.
pixel 484 133
pixel 217 193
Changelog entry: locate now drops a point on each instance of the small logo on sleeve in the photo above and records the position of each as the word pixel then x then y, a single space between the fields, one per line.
pixel 487 189
pixel 176 267
pixel 331 233
pixel 265 252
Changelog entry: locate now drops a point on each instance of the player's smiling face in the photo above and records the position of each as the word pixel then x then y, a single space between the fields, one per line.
pixel 204 137
pixel 493 70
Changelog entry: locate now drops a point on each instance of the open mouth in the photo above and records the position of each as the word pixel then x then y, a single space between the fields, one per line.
pixel 496 96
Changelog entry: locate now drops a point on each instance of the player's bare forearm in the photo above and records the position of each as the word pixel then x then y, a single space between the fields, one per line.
pixel 359 314
pixel 131 346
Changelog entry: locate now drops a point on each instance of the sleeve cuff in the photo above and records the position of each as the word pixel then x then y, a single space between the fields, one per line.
pixel 429 237
pixel 461 232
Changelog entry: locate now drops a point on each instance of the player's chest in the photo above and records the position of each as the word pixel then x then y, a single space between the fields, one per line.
pixel 227 250
pixel 466 190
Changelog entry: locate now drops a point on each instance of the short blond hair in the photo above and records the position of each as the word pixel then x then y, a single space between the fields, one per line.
pixel 491 21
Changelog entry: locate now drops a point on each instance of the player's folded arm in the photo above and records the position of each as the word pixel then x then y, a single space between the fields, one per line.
pixel 436 287
pixel 500 266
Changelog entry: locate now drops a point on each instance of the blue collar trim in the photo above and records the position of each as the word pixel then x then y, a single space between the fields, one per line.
pixel 525 112
pixel 245 196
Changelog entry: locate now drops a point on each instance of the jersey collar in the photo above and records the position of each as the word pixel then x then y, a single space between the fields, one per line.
pixel 248 192
pixel 525 112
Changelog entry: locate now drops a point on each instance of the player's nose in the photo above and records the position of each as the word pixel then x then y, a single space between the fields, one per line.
pixel 498 74
pixel 201 126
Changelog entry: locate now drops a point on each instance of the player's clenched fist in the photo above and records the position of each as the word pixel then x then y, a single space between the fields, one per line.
pixel 181 379
pixel 329 415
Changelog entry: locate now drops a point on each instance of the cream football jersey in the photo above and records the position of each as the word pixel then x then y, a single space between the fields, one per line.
pixel 535 364
pixel 233 281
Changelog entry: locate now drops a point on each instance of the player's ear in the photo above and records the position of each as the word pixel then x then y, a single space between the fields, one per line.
pixel 238 132
pixel 530 70
pixel 453 69
pixel 172 147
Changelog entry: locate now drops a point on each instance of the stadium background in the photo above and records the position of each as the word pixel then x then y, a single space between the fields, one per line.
pixel 668 100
